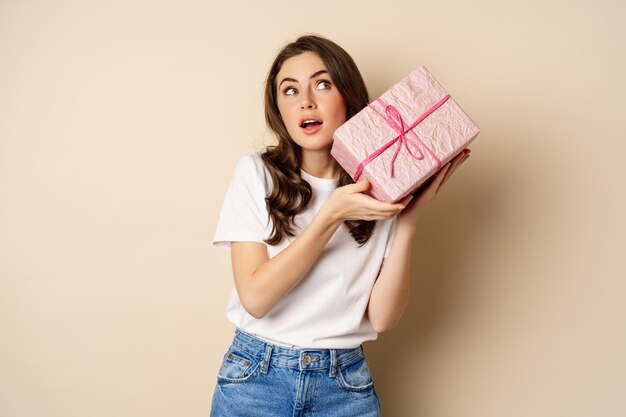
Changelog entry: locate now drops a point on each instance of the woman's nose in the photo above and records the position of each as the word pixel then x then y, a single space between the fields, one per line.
pixel 307 103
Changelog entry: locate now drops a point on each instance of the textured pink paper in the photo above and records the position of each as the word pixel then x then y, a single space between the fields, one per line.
pixel 446 132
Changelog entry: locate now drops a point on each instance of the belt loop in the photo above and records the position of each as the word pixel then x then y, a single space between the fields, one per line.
pixel 265 363
pixel 333 363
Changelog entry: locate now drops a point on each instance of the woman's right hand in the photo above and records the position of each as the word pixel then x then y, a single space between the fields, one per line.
pixel 349 203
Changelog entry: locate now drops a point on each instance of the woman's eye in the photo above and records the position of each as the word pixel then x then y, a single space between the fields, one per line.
pixel 290 91
pixel 323 85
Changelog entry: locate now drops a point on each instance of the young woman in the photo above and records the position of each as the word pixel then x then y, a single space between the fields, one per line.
pixel 319 266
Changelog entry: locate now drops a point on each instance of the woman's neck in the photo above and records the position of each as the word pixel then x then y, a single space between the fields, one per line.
pixel 320 164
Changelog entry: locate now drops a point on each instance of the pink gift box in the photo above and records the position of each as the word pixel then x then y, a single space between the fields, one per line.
pixel 403 137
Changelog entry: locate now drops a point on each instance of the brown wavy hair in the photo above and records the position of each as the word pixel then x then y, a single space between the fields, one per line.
pixel 291 193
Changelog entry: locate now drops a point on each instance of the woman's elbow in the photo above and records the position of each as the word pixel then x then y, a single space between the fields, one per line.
pixel 257 314
pixel 382 327
pixel 254 309
pixel 249 298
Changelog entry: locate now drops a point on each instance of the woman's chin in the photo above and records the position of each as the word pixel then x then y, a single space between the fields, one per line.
pixel 311 143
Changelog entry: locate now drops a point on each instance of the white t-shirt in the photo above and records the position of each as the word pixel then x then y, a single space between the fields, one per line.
pixel 326 310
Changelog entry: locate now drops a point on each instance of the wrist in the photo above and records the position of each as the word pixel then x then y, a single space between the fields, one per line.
pixel 405 227
pixel 330 215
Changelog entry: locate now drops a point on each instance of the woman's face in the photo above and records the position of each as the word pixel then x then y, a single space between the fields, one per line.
pixel 305 92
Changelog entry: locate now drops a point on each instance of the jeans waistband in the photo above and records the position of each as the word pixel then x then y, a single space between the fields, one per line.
pixel 300 359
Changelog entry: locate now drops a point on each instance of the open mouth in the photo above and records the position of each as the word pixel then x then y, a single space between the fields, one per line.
pixel 307 123
pixel 311 126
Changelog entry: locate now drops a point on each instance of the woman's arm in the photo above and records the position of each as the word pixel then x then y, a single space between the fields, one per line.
pixel 262 282
pixel 392 289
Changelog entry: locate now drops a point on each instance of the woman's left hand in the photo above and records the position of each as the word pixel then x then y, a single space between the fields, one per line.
pixel 416 203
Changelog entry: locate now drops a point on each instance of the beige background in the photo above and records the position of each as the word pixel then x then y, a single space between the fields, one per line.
pixel 121 123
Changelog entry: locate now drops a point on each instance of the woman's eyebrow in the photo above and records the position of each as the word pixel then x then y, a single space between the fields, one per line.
pixel 315 74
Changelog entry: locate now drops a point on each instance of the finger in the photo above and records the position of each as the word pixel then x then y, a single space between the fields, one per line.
pixel 458 156
pixel 380 207
pixel 457 160
pixel 453 168
pixel 442 171
pixel 361 186
pixel 465 158
pixel 435 184
pixel 405 201
pixel 461 156
pixel 455 164
pixel 375 215
pixel 370 203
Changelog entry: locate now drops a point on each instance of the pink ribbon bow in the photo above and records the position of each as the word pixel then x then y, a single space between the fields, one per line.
pixel 393 119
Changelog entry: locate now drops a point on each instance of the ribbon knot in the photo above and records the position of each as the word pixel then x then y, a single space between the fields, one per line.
pixel 395 121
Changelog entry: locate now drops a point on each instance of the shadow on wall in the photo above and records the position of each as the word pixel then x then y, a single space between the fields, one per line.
pixel 442 249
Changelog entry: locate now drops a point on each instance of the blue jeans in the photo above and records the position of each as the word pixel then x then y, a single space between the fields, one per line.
pixel 258 379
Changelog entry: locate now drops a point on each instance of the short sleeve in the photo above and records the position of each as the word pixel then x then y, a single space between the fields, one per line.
pixel 392 233
pixel 243 217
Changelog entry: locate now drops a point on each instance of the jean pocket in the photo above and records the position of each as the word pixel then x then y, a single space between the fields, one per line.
pixel 238 366
pixel 356 376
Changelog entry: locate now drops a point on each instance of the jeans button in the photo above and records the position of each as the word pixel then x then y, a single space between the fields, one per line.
pixel 307 360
